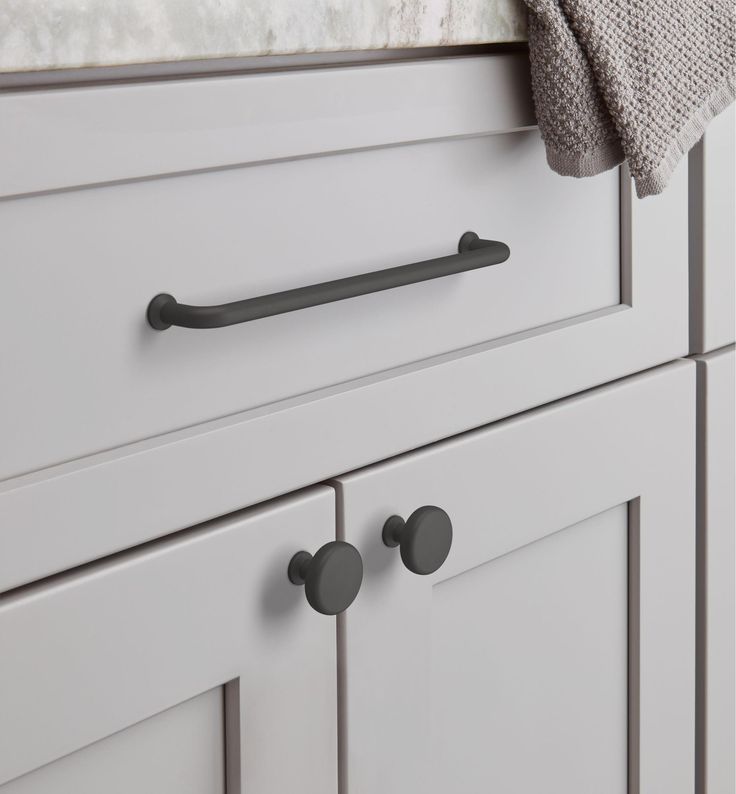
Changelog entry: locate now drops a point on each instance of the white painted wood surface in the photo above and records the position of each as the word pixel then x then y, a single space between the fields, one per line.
pixel 517 483
pixel 713 236
pixel 179 751
pixel 528 667
pixel 716 590
pixel 50 140
pixel 96 651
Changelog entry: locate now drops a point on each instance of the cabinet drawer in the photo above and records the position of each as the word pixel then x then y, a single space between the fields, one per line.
pixel 191 666
pixel 224 189
pixel 85 371
pixel 81 268
pixel 553 650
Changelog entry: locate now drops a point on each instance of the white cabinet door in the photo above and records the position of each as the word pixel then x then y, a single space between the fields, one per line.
pixel 192 666
pixel 716 592
pixel 554 649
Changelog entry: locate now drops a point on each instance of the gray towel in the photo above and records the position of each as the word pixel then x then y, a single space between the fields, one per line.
pixel 634 80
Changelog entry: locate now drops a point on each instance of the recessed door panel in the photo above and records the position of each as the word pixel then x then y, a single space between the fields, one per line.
pixel 179 751
pixel 529 667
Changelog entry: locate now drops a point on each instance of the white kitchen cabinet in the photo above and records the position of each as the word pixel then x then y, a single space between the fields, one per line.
pixel 554 649
pixel 716 589
pixel 566 629
pixel 225 188
pixel 191 666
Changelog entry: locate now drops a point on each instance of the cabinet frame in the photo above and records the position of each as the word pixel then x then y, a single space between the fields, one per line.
pixel 712 244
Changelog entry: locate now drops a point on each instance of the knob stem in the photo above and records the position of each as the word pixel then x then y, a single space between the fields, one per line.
pixel 392 531
pixel 299 566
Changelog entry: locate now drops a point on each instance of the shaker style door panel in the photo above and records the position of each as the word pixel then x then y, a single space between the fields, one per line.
pixel 290 181
pixel 554 648
pixel 528 667
pixel 716 587
pixel 187 667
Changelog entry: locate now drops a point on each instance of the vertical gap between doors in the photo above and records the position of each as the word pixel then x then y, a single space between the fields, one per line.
pixel 341 639
pixel 634 606
pixel 701 590
pixel 696 244
pixel 625 241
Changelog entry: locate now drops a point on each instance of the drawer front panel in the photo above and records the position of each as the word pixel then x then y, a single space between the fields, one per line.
pixel 132 664
pixel 87 373
pixel 554 648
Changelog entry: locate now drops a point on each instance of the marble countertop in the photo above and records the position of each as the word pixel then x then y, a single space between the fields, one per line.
pixel 66 34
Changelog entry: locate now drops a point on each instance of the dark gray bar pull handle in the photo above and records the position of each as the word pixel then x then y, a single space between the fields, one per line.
pixel 473 253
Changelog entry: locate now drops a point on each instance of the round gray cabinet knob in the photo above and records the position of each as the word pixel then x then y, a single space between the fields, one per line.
pixel 424 539
pixel 331 578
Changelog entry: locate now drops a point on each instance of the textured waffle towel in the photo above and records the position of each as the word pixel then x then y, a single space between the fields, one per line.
pixel 634 80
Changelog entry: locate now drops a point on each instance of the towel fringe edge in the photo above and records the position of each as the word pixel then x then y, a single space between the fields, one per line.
pixel 610 154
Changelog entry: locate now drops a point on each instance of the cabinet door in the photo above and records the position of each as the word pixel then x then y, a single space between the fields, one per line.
pixel 716 591
pixel 192 666
pixel 553 651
